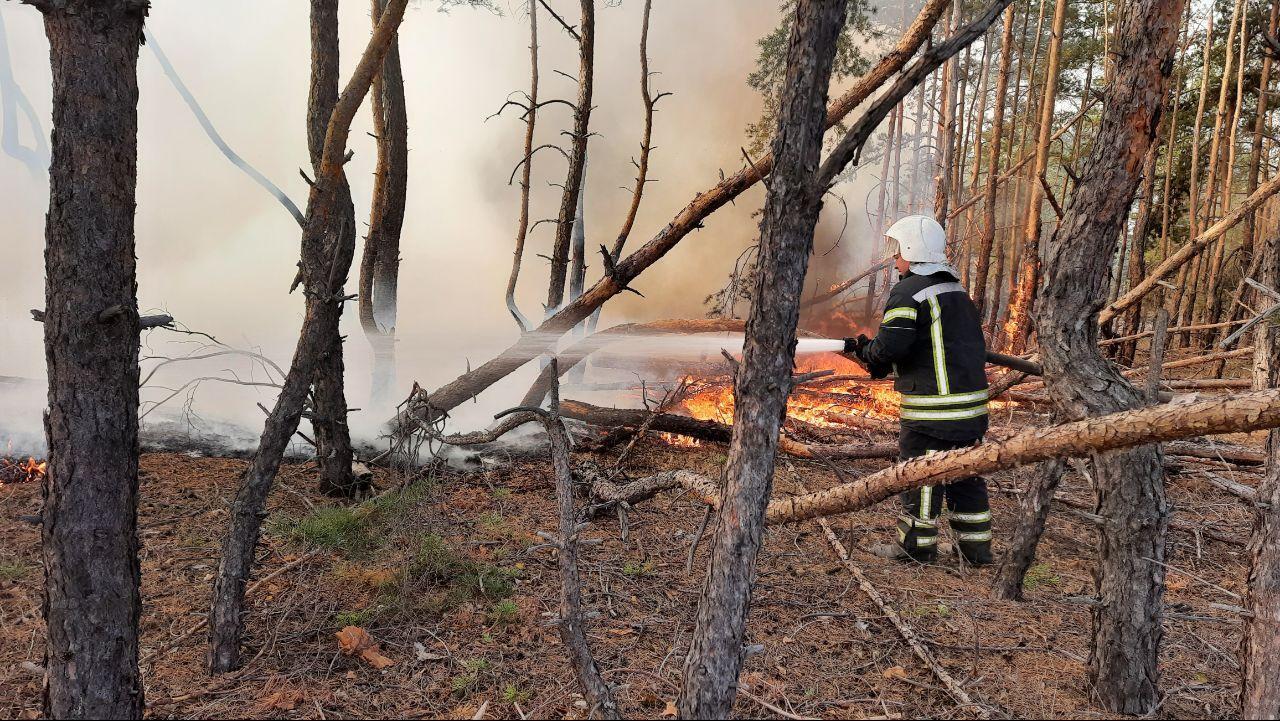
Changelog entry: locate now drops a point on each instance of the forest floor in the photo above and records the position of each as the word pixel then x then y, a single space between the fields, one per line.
pixel 447 576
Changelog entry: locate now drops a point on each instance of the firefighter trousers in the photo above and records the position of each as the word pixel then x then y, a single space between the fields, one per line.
pixel 969 511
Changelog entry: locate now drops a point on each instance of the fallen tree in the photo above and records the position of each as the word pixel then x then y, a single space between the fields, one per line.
pixel 1253 411
pixel 424 406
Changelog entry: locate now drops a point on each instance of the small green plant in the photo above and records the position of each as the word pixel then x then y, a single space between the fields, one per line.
pixel 504 613
pixel 636 570
pixel 11 570
pixel 355 618
pixel 513 694
pixel 501 493
pixel 1040 574
pixel 463 683
pixel 335 528
pixel 465 578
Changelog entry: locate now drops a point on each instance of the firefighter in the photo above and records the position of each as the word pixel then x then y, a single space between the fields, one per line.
pixel 931 340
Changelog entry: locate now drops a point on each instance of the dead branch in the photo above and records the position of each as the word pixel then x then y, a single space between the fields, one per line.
pixel 145 322
pixel 1171 331
pixel 904 629
pixel 599 699
pixel 839 288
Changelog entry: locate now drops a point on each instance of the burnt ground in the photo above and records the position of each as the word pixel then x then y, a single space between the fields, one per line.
pixel 448 578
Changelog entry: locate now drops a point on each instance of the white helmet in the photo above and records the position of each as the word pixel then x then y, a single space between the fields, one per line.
pixel 920 239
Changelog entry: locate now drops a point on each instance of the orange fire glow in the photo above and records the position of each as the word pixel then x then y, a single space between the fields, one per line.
pixel 827 404
pixel 31 470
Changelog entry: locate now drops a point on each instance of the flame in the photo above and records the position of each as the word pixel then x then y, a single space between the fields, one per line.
pixel 829 404
pixel 28 471
pixel 675 439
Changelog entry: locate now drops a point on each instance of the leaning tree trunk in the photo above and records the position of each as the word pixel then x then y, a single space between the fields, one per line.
pixel 762 383
pixel 1260 644
pixel 329 402
pixel 326 260
pixel 90 540
pixel 1127 622
pixel 380 261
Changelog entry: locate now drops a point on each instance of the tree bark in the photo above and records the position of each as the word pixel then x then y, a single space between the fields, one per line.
pixel 763 381
pixel 89 535
pixel 329 418
pixel 321 241
pixel 380 260
pixel 1127 625
pixel 1260 644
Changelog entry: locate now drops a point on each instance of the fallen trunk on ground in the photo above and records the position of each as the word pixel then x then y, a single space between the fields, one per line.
pixel 1247 412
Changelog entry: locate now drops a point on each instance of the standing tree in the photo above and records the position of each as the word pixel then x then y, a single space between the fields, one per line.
pixel 89 534
pixel 326 259
pixel 569 207
pixel 329 402
pixel 380 261
pixel 1127 622
pixel 764 379
pixel 1260 645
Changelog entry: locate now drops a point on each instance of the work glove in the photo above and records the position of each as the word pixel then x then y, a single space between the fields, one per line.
pixel 856 346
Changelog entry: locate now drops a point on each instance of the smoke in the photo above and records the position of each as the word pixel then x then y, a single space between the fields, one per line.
pixel 215 251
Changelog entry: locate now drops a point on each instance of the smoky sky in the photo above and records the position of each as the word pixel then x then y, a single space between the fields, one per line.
pixel 218 252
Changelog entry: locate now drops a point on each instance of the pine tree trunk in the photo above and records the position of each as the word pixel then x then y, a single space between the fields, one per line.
pixel 1178 300
pixel 1260 643
pixel 380 261
pixel 1137 249
pixel 762 384
pixel 978 290
pixel 332 435
pixel 577 159
pixel 1250 237
pixel 1127 622
pixel 89 536
pixel 1222 155
pixel 1029 275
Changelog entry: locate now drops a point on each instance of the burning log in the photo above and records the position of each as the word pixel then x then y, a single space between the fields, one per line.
pixel 1247 412
pixel 707 430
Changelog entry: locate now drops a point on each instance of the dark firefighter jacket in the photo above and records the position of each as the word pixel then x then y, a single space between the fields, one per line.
pixel 931 339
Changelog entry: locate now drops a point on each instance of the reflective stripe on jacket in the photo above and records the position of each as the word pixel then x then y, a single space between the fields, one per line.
pixel 931 339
